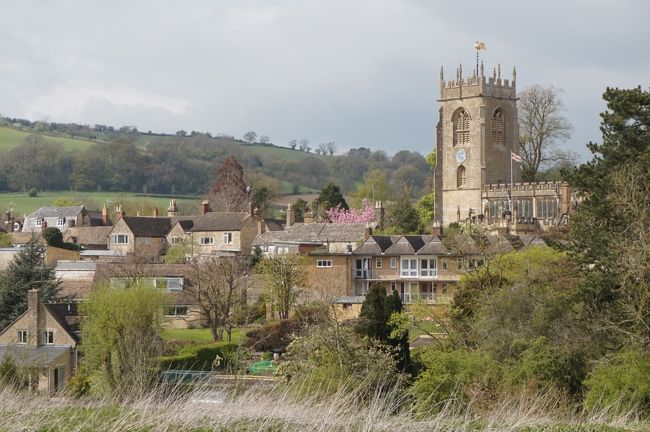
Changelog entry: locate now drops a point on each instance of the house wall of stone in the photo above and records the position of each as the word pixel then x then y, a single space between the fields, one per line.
pixel 329 281
pixel 121 227
pixel 46 379
pixel 218 244
pixel 176 232
pixel 193 319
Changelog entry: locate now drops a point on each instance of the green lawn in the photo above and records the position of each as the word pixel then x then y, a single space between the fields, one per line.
pixel 201 335
pixel 10 138
pixel 23 204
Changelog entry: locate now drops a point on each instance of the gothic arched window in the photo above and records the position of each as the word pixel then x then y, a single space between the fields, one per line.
pixel 461 127
pixel 461 176
pixel 497 128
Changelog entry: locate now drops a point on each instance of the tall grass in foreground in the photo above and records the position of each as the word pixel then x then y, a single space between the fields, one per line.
pixel 271 408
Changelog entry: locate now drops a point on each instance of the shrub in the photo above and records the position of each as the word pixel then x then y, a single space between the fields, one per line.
pixel 33 192
pixel 620 383
pixel 78 385
pixel 273 336
pixel 201 357
pixel 546 365
pixel 458 374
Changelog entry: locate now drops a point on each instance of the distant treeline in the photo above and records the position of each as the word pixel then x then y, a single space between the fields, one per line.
pixel 186 164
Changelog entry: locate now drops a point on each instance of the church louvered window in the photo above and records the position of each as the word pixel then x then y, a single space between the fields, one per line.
pixel 461 176
pixel 497 128
pixel 461 128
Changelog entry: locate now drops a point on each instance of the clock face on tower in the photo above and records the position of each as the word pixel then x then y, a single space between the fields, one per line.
pixel 461 155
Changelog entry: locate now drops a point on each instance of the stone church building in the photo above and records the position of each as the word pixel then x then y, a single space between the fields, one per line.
pixel 477 134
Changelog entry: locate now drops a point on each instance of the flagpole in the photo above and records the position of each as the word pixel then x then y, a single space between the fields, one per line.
pixel 511 179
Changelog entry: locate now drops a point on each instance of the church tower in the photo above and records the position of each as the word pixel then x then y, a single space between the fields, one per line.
pixel 476 132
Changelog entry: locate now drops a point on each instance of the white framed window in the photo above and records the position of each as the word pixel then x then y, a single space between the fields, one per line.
pixel 378 263
pixel 428 268
pixel 207 240
pixel 121 238
pixel 444 264
pixel 176 240
pixel 60 222
pixel 22 336
pixel 324 263
pixel 409 267
pixel 227 238
pixel 170 283
pixel 459 264
pixel 393 263
pixel 145 240
pixel 48 337
pixel 39 222
pixel 175 310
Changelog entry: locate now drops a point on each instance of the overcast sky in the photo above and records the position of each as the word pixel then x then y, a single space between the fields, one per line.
pixel 358 72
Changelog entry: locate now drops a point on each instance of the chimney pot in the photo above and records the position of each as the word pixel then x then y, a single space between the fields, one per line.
pixel 205 207
pixel 291 215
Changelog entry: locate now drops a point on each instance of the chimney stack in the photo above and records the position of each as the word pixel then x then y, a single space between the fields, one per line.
pixel 34 324
pixel 118 212
pixel 309 217
pixel 436 228
pixel 367 232
pixel 9 222
pixel 172 210
pixel 154 213
pixel 138 213
pixel 205 207
pixel 379 213
pixel 105 219
pixel 291 215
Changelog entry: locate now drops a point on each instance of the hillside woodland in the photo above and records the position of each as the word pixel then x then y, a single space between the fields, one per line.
pixel 130 161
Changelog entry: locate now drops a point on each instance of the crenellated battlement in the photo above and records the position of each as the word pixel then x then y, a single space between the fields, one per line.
pixel 526 186
pixel 478 84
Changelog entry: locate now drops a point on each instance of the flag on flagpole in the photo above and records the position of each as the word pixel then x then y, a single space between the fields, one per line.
pixel 515 157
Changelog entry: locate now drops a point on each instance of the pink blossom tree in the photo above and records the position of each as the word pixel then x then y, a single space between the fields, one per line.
pixel 365 214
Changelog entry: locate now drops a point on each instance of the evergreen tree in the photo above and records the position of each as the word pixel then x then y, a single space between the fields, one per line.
pixel 27 271
pixel 401 341
pixel 402 217
pixel 331 196
pixel 373 317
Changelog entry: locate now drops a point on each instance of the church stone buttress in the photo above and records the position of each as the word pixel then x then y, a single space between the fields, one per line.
pixel 476 132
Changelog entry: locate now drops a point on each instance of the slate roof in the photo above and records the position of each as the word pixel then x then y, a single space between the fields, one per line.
pixel 186 224
pixel 143 226
pixel 19 237
pixel 67 315
pixel 313 233
pixel 41 356
pixel 59 212
pixel 220 221
pixel 93 235
pixel 274 224
pixel 433 247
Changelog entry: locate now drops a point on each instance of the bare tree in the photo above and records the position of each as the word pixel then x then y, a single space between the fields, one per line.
pixel 229 192
pixel 217 285
pixel 264 139
pixel 303 144
pixel 284 276
pixel 293 143
pixel 250 137
pixel 322 148
pixel 541 126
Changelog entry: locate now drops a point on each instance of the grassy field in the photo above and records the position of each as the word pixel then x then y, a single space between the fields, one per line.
pixel 23 204
pixel 10 138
